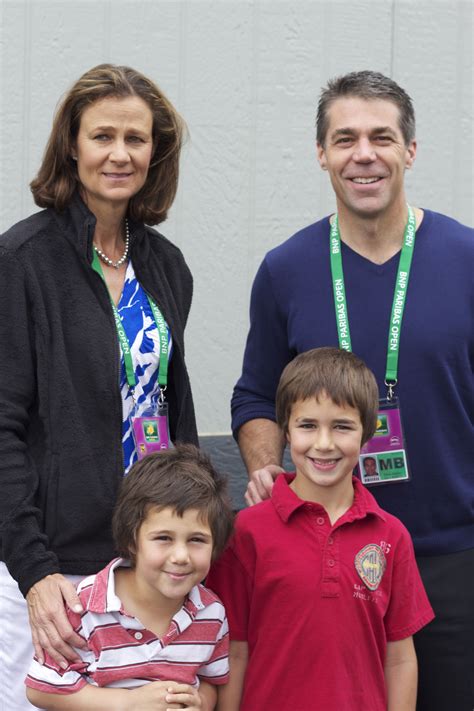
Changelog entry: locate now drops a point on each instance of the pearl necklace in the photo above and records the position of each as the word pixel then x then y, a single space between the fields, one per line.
pixel 124 256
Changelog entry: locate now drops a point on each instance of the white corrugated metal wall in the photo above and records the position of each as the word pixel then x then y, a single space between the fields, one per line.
pixel 246 75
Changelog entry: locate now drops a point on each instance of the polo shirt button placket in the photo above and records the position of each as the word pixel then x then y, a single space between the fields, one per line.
pixel 331 583
pixel 331 552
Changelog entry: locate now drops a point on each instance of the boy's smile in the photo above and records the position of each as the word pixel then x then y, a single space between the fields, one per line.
pixel 325 441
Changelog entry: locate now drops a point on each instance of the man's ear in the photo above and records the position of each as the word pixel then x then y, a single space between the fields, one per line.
pixel 321 153
pixel 411 154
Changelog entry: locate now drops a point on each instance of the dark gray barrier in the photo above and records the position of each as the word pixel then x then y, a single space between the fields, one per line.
pixel 225 455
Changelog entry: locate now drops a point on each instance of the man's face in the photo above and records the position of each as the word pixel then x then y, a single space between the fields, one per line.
pixel 369 466
pixel 366 156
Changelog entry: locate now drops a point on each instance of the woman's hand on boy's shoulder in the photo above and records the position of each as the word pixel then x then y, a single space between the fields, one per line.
pixel 51 630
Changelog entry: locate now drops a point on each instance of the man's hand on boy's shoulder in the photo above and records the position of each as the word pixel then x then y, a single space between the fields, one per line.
pixel 261 445
pixel 261 482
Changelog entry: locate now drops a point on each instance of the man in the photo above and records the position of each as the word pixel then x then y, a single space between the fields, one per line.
pixel 370 466
pixel 394 284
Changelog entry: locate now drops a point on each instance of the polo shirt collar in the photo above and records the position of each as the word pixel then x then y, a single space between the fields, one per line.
pixel 104 599
pixel 286 502
pixel 364 503
pixel 283 498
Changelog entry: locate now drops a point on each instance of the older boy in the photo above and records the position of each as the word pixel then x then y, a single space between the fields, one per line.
pixel 366 141
pixel 321 585
pixel 153 632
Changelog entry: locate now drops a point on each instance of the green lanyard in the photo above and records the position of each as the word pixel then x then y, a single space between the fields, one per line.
pixel 124 344
pixel 399 296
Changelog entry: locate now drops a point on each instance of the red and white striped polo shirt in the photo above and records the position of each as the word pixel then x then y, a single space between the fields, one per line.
pixel 122 653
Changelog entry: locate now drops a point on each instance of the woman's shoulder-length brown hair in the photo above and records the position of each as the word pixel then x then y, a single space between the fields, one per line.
pixel 57 178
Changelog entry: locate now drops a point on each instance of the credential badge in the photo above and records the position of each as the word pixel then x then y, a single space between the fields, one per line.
pixel 370 563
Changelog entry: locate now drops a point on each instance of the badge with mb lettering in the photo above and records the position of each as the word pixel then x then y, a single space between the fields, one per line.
pixel 383 459
pixel 370 563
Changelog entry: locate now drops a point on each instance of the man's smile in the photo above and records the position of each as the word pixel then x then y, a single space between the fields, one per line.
pixel 365 181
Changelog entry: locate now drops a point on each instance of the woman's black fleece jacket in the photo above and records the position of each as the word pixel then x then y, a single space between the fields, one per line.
pixel 61 456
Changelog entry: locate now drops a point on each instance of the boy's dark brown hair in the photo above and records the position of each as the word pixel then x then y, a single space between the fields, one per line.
pixel 57 179
pixel 182 478
pixel 340 375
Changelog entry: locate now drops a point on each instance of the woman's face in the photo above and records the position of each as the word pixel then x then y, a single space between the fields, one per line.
pixel 113 149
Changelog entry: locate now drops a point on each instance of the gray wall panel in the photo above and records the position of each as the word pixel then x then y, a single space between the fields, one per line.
pixel 245 74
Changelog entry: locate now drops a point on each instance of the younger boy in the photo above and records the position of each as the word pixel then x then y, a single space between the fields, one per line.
pixel 153 632
pixel 320 585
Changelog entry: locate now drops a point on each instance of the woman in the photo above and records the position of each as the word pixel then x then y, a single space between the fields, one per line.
pixel 92 305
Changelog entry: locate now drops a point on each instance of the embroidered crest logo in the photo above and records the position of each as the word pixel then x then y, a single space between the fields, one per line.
pixel 370 563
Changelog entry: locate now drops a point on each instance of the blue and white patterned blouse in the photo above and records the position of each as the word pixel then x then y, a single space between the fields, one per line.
pixel 144 340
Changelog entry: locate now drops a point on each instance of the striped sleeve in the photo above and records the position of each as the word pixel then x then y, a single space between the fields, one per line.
pixel 51 679
pixel 216 669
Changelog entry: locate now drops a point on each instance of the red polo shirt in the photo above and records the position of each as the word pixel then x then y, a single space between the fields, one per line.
pixel 317 603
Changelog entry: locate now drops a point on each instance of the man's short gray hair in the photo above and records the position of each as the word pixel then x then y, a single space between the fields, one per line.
pixel 366 85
